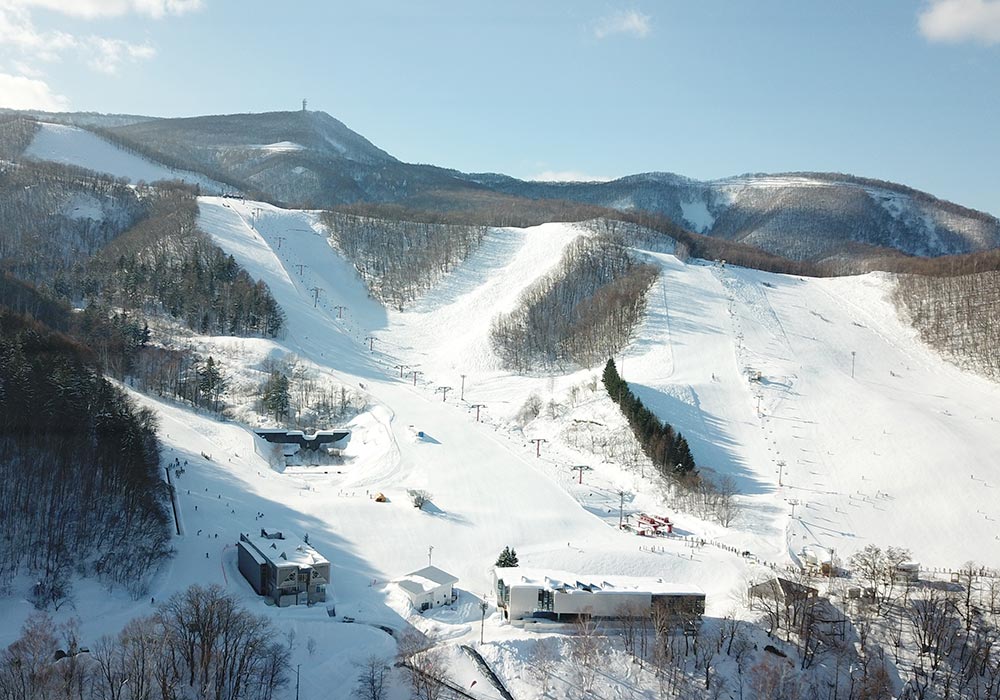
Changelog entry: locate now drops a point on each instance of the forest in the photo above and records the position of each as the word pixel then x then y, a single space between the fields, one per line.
pixel 198 644
pixel 957 316
pixel 581 312
pixel 80 467
pixel 400 259
pixel 165 265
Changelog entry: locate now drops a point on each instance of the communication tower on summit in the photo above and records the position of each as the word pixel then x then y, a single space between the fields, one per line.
pixel 303 104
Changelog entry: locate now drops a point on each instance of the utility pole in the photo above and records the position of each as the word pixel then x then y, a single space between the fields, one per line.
pixel 340 310
pixel 297 668
pixel 538 445
pixel 371 343
pixel 483 607
pixel 580 468
pixel 430 551
pixel 316 292
pixel 477 406
pixel 401 368
pixel 415 373
pixel 444 392
pixel 854 355
pixel 462 396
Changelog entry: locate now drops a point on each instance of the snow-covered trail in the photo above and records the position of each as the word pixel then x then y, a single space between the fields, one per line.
pixel 837 444
pixel 901 454
pixel 72 145
pixel 485 493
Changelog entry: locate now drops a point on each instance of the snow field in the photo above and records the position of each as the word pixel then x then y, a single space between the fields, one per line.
pixel 71 145
pixel 901 453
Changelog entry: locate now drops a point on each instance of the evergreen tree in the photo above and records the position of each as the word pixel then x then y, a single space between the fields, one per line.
pixel 508 557
pixel 664 446
pixel 211 383
pixel 276 395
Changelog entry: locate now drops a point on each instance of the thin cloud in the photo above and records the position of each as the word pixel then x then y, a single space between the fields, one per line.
pixel 629 23
pixel 567 176
pixel 18 92
pixel 26 46
pixel 91 9
pixel 956 21
pixel 107 54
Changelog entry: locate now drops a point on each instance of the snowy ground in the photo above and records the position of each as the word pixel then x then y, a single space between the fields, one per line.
pixel 72 145
pixel 901 453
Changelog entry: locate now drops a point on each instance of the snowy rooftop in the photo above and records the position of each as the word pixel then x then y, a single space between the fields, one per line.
pixel 425 579
pixel 567 582
pixel 281 546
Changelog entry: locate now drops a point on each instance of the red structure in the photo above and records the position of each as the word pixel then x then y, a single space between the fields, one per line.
pixel 654 525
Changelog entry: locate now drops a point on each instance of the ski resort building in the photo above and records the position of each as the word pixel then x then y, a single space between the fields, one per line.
pixel 283 568
pixel 532 595
pixel 429 587
pixel 320 439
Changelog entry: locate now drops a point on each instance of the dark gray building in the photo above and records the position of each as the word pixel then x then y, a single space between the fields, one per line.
pixel 283 568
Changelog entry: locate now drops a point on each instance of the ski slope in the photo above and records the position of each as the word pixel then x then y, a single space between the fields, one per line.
pixel 900 454
pixel 70 145
pixel 810 393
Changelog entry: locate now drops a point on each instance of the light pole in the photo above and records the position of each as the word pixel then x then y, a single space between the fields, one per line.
pixel 478 406
pixel 462 396
pixel 444 392
pixel 854 355
pixel 538 445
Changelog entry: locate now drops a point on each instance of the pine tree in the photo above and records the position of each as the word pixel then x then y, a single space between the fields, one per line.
pixel 211 382
pixel 276 395
pixel 508 557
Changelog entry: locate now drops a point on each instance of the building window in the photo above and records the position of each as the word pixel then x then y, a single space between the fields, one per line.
pixel 545 600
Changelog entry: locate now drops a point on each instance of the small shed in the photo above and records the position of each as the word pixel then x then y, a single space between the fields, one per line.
pixel 429 587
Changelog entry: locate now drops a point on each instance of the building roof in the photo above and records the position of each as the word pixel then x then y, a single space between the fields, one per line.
pixel 566 582
pixel 282 548
pixel 425 580
pixel 790 590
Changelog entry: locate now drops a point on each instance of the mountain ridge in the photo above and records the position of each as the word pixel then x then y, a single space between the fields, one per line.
pixel 311 159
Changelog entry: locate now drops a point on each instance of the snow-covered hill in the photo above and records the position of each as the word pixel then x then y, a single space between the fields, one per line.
pixel 311 157
pixel 839 427
pixel 871 458
pixel 803 216
pixel 72 145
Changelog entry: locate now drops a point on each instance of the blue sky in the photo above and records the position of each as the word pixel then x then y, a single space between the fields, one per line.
pixel 905 90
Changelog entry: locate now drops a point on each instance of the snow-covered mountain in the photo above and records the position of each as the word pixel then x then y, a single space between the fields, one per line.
pixel 310 158
pixel 803 216
pixel 838 426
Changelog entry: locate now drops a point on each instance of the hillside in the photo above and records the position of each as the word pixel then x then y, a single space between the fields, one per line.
pixel 295 157
pixel 312 159
pixel 802 216
pixel 866 446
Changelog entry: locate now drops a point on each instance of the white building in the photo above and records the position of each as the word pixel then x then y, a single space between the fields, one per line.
pixel 560 596
pixel 429 587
